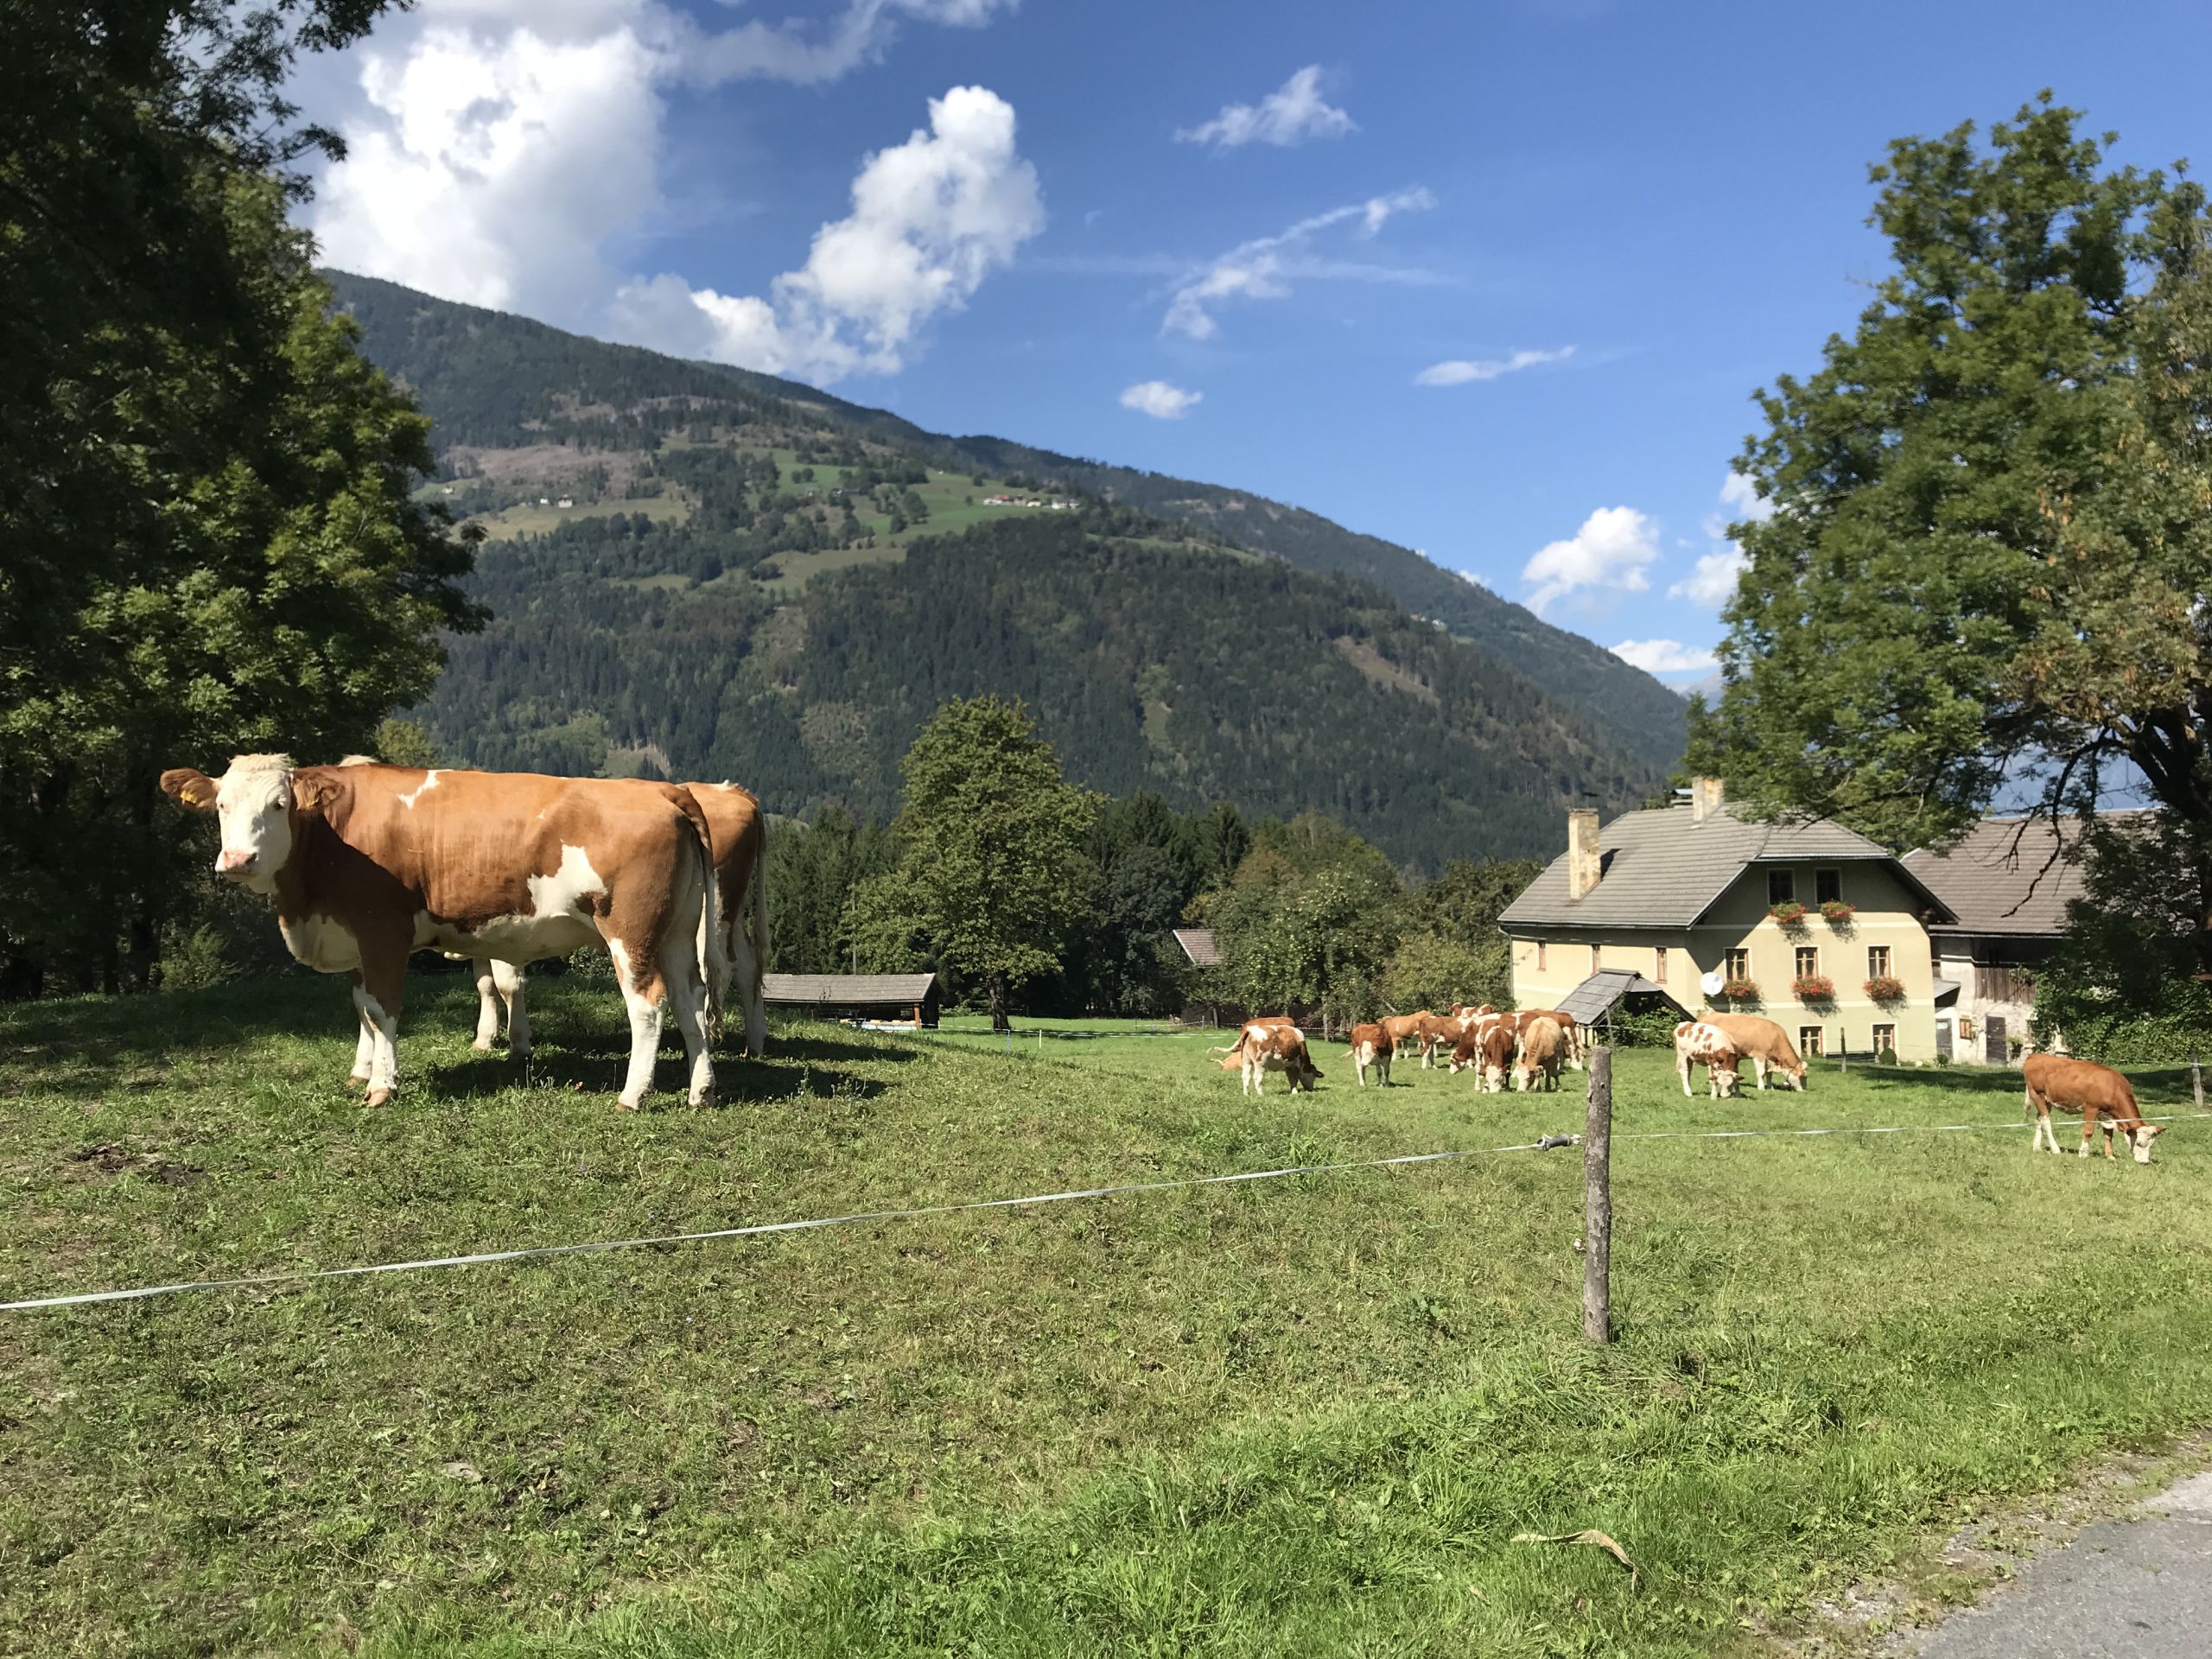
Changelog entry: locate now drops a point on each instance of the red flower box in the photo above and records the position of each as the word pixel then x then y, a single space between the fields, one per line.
pixel 1835 912
pixel 1790 912
pixel 1813 988
pixel 1885 987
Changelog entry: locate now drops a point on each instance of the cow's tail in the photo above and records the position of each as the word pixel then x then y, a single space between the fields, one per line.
pixel 713 951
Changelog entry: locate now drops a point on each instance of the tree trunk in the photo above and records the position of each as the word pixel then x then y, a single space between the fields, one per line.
pixel 999 1020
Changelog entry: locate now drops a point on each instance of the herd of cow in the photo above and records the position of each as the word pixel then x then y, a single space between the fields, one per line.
pixel 369 863
pixel 1530 1045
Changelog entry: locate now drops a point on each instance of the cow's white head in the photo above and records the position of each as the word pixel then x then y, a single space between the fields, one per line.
pixel 1795 1076
pixel 254 801
pixel 2140 1138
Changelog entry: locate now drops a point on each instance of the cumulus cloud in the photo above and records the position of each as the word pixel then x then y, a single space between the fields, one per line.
pixel 930 219
pixel 1159 400
pixel 1665 656
pixel 1293 113
pixel 498 147
pixel 1263 269
pixel 1460 371
pixel 1611 551
pixel 1712 580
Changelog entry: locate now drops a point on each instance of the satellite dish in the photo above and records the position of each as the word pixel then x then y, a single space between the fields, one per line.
pixel 1712 982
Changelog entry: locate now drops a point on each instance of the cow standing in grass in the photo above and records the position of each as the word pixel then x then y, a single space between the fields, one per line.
pixel 1409 1028
pixel 1763 1043
pixel 1488 1048
pixel 507 866
pixel 1542 1048
pixel 2095 1091
pixel 1699 1042
pixel 1372 1045
pixel 1279 1048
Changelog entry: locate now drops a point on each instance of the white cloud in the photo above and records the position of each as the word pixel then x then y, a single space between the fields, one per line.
pixel 498 147
pixel 1739 493
pixel 1290 115
pixel 1665 656
pixel 1610 550
pixel 930 219
pixel 1159 400
pixel 1713 581
pixel 1460 371
pixel 1261 268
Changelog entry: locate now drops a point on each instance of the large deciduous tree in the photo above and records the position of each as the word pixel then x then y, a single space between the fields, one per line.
pixel 1991 539
pixel 991 878
pixel 210 541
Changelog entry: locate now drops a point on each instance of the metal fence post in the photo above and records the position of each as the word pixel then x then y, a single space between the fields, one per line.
pixel 1597 1201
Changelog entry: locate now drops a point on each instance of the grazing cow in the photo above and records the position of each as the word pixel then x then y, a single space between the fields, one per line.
pixel 1543 1045
pixel 507 866
pixel 1372 1045
pixel 1275 1048
pixel 1570 1033
pixel 1488 1049
pixel 1698 1043
pixel 1763 1043
pixel 2094 1090
pixel 739 830
pixel 1437 1035
pixel 1405 1028
pixel 1232 1057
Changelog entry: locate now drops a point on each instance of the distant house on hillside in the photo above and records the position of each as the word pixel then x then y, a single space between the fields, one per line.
pixel 1661 903
pixel 2006 883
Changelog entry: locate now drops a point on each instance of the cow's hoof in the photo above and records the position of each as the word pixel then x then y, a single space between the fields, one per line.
pixel 482 1045
pixel 358 1079
pixel 378 1098
pixel 702 1102
pixel 622 1105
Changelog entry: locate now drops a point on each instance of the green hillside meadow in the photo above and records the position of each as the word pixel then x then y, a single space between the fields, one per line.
pixel 742 577
pixel 1307 1415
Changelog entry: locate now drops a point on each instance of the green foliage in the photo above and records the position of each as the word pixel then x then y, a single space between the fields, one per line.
pixel 812 873
pixel 2121 985
pixel 990 877
pixel 1309 920
pixel 404 743
pixel 1434 970
pixel 1991 525
pixel 205 490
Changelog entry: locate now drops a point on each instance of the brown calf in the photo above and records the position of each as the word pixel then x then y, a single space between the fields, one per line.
pixel 2095 1091
pixel 1372 1045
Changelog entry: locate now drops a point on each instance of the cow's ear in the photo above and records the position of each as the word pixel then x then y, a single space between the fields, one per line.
pixel 307 794
pixel 194 788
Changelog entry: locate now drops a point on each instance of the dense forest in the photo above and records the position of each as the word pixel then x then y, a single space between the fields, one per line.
pixel 1205 676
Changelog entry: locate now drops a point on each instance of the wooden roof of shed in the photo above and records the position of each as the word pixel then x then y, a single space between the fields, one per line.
pixel 847 990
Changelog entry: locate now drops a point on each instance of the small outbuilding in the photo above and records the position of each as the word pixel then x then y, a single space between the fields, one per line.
pixel 905 999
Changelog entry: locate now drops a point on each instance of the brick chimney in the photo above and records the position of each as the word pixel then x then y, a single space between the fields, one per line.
pixel 1705 796
pixel 1583 864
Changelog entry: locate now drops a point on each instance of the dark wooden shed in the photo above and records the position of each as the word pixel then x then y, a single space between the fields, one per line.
pixel 906 998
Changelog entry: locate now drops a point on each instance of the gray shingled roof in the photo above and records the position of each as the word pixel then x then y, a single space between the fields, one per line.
pixel 1588 1002
pixel 1662 867
pixel 1999 877
pixel 847 990
pixel 1199 945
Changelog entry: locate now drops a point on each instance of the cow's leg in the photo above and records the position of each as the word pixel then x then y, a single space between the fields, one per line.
pixel 1682 1071
pixel 487 1007
pixel 507 980
pixel 641 993
pixel 1759 1071
pixel 687 998
pixel 364 1040
pixel 746 965
pixel 378 990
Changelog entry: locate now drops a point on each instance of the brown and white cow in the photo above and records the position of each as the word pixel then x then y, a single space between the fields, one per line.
pixel 2095 1091
pixel 508 866
pixel 1699 1042
pixel 1542 1048
pixel 1571 1034
pixel 738 830
pixel 1437 1035
pixel 1763 1043
pixel 1406 1028
pixel 1264 1048
pixel 1371 1044
pixel 1488 1047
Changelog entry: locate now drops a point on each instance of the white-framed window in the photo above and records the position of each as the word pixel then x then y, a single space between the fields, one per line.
pixel 1737 964
pixel 1781 886
pixel 1659 964
pixel 1828 886
pixel 1809 1041
pixel 1878 961
pixel 1540 956
pixel 1885 1037
pixel 1808 960
pixel 1596 960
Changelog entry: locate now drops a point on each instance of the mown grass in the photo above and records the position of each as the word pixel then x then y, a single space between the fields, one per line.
pixel 1305 1416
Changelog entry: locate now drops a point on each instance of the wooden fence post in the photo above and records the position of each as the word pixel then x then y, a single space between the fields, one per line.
pixel 2197 1080
pixel 1597 1201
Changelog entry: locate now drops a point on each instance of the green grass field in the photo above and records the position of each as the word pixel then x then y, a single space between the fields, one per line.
pixel 1301 1416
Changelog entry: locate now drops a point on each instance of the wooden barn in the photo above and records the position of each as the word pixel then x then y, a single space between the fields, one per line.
pixel 884 998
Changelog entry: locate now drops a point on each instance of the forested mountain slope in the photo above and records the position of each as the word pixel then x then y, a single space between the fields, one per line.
pixel 721 573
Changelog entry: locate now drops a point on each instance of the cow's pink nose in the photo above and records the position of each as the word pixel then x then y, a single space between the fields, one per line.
pixel 230 862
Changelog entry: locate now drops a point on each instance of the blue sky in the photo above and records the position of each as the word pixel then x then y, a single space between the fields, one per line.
pixel 1228 240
